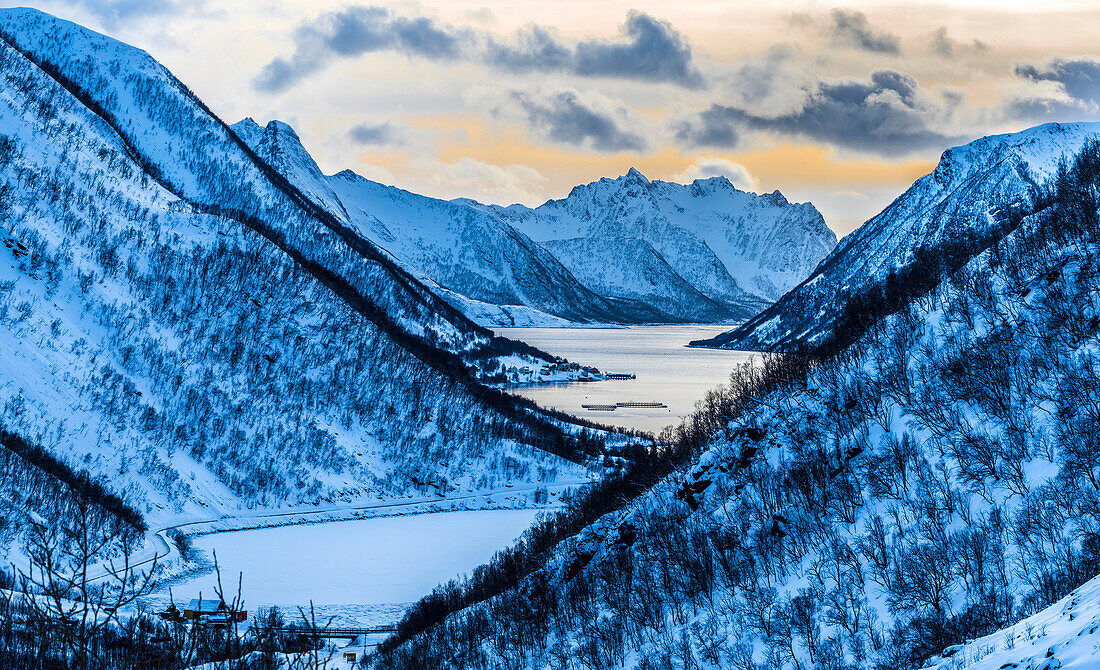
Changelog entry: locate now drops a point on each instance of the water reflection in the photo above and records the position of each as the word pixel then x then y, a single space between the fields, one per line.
pixel 666 370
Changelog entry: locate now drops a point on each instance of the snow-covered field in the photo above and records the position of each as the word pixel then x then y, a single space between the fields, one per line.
pixel 362 572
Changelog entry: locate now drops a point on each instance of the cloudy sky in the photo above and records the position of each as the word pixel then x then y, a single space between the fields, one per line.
pixel 509 101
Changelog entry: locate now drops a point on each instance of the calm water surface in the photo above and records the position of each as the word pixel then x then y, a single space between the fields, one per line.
pixel 667 370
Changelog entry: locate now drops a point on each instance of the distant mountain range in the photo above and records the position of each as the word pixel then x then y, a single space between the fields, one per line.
pixel 962 198
pixel 625 250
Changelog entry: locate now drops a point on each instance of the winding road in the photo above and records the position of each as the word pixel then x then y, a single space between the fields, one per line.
pixel 164 547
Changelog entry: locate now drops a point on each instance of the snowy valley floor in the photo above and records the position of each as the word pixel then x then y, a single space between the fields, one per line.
pixel 360 566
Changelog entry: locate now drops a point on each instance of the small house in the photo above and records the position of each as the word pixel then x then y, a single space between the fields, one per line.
pixel 212 611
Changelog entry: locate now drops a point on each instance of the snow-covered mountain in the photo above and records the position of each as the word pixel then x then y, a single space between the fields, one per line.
pixel 704 246
pixel 961 199
pixel 195 331
pixel 618 250
pixel 927 496
pixel 463 250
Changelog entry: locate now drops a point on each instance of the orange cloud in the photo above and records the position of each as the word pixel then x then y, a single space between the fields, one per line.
pixel 784 166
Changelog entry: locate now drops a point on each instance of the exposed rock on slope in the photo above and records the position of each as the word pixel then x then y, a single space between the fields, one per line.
pixel 734 249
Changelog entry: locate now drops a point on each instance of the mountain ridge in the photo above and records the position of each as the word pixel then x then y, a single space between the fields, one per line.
pixel 491 258
pixel 960 198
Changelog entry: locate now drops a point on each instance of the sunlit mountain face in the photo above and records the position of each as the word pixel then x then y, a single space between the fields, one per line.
pixel 563 336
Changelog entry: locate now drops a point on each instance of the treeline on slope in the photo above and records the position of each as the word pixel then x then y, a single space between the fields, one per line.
pixel 37 481
pixel 537 430
pixel 470 368
pixel 603 609
pixel 929 267
pixel 1067 193
pixel 677 447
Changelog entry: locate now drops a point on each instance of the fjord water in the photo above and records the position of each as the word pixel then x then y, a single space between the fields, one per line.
pixel 667 370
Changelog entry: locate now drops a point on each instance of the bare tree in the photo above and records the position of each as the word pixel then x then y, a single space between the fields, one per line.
pixel 80 575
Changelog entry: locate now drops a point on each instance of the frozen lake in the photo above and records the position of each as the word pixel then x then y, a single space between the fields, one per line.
pixel 667 370
pixel 362 571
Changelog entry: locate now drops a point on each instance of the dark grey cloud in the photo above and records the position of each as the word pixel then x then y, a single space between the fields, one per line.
pixel 534 49
pixel 852 29
pixel 653 51
pixel 648 49
pixel 886 114
pixel 1077 77
pixel 942 45
pixel 565 117
pixel 718 126
pixel 374 134
pixel 358 30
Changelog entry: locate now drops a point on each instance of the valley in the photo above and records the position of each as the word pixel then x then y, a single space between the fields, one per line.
pixel 477 392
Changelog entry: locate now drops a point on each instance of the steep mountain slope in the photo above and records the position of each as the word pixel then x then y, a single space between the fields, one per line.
pixel 957 202
pixel 739 249
pixel 1065 635
pixel 187 326
pixel 659 253
pixel 475 254
pixel 461 249
pixel 638 273
pixel 934 483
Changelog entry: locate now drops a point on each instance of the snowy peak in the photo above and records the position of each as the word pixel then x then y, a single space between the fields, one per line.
pixel 1040 147
pixel 634 176
pixel 280 147
pixel 959 200
pixel 737 248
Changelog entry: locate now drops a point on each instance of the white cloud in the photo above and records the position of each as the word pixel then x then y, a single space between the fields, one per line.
pixel 470 178
pixel 709 166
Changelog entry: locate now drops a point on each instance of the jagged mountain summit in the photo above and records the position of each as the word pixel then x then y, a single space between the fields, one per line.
pixel 623 250
pixel 197 332
pixel 965 198
pixel 732 246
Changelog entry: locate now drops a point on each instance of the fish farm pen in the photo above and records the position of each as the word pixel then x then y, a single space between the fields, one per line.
pixel 612 408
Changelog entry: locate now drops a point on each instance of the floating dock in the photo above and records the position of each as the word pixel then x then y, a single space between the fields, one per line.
pixel 640 404
pixel 600 408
